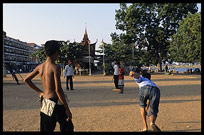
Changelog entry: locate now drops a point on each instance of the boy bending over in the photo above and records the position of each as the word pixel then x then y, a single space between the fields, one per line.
pixel 148 91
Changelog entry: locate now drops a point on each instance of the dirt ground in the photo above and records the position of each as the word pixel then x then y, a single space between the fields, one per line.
pixel 95 107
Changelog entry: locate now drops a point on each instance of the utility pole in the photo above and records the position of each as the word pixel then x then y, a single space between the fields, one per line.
pixel 133 55
pixel 133 51
pixel 103 58
pixel 89 61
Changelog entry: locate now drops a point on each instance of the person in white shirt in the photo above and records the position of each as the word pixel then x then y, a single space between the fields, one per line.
pixel 147 91
pixel 69 74
pixel 116 74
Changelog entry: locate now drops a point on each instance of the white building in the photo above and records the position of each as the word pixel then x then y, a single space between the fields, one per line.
pixel 16 53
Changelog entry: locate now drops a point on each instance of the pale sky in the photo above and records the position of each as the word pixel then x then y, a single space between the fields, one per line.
pixel 37 23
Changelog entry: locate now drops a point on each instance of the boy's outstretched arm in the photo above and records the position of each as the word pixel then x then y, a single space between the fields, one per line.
pixel 28 81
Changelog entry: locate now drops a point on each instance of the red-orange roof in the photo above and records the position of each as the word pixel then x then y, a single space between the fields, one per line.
pixel 31 44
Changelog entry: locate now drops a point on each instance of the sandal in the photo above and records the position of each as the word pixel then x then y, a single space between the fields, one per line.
pixel 155 128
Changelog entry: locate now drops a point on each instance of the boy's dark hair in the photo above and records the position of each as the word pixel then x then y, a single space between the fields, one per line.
pixel 51 47
pixel 147 75
pixel 136 70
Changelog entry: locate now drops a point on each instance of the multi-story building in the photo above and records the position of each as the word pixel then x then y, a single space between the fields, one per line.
pixel 16 54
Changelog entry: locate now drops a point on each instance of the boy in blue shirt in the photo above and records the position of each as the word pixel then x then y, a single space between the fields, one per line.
pixel 148 91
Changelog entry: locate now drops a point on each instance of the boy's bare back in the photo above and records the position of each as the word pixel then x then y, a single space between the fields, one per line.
pixel 50 78
pixel 46 71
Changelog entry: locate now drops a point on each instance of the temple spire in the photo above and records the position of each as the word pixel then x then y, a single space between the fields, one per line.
pixel 85 40
pixel 85 33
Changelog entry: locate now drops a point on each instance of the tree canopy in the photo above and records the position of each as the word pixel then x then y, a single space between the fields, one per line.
pixel 186 42
pixel 68 51
pixel 149 26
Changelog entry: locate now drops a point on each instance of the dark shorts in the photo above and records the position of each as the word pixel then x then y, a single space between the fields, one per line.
pixel 121 83
pixel 116 81
pixel 153 94
pixel 48 123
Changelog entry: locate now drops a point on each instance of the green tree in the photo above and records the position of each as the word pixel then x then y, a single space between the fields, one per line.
pixel 39 55
pixel 186 42
pixel 68 51
pixel 118 50
pixel 150 26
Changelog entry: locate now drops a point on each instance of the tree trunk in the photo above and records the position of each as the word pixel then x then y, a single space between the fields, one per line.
pixel 159 66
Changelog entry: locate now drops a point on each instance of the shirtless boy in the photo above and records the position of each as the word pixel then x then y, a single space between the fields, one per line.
pixel 54 106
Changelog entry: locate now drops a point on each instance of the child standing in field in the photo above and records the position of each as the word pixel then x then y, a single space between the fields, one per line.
pixel 54 105
pixel 121 78
pixel 116 74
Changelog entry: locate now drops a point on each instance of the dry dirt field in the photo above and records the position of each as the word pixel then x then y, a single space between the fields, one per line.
pixel 95 107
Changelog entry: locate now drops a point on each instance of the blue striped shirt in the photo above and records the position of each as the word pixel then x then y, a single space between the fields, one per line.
pixel 144 81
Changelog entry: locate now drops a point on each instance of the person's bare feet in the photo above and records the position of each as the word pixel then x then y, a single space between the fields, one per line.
pixel 155 128
pixel 144 130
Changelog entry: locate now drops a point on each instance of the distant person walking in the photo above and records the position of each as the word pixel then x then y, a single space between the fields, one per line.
pixel 12 71
pixel 147 91
pixel 69 74
pixel 166 68
pixel 116 74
